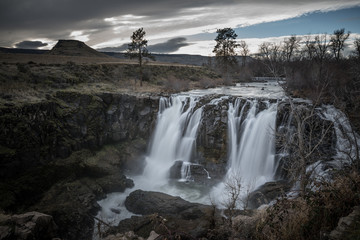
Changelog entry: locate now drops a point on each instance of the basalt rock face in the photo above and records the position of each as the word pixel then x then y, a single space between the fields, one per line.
pixel 317 132
pixel 212 139
pixel 35 134
pixel 62 155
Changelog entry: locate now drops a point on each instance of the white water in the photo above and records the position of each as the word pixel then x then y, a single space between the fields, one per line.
pixel 174 139
pixel 252 148
pixel 346 138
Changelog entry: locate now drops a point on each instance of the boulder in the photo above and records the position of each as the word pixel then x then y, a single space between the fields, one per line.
pixel 143 202
pixel 167 215
pixel 198 173
pixel 267 192
pixel 175 170
pixel 30 225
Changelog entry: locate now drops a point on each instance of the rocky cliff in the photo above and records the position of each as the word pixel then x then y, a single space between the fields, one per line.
pixel 36 134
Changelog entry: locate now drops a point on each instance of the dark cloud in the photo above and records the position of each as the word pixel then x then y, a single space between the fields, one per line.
pixel 49 13
pixel 169 46
pixel 30 44
pixel 121 48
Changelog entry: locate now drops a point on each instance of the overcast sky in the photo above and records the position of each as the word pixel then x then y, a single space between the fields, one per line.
pixel 172 26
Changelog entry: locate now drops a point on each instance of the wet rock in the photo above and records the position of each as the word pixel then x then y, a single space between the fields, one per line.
pixel 267 192
pixel 115 210
pixel 197 173
pixel 175 170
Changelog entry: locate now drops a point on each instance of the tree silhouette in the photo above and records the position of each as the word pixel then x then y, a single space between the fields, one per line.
pixel 337 42
pixel 138 49
pixel 225 48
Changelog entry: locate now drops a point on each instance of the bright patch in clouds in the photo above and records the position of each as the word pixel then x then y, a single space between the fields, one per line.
pixel 79 35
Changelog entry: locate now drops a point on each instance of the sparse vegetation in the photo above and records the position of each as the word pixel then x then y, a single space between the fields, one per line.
pixel 22 82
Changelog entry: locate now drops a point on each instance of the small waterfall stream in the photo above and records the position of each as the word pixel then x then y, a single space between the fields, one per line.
pixel 174 139
pixel 252 142
pixel 251 146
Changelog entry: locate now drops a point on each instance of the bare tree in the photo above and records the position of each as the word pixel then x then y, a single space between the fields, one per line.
pixel 357 48
pixel 321 47
pixel 233 185
pixel 309 48
pixel 271 56
pixel 337 42
pixel 291 45
pixel 244 51
pixel 309 133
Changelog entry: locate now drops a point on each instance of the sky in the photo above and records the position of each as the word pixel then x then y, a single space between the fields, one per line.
pixel 172 26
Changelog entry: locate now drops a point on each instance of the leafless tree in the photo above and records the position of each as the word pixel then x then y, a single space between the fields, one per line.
pixel 357 48
pixel 309 133
pixel 321 47
pixel 244 51
pixel 337 42
pixel 271 56
pixel 290 47
pixel 309 48
pixel 233 185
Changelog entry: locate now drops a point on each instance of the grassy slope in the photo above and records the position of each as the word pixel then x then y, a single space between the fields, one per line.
pixel 32 78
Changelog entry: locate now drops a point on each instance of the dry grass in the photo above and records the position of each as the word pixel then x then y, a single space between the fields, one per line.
pixel 31 78
pixel 316 214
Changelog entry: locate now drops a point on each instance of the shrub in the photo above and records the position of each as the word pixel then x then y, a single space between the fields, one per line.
pixel 314 215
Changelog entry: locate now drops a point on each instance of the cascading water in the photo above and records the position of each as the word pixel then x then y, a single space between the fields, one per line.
pixel 347 140
pixel 174 138
pixel 251 145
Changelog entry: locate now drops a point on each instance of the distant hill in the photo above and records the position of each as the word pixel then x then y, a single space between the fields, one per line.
pixel 74 48
pixel 23 51
pixel 78 48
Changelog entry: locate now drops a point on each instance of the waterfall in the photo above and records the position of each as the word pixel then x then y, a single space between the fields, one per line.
pixel 174 138
pixel 347 140
pixel 251 145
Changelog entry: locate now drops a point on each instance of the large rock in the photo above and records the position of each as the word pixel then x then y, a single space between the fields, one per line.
pixel 143 202
pixel 27 226
pixel 197 174
pixel 267 192
pixel 176 214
